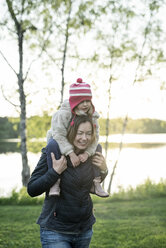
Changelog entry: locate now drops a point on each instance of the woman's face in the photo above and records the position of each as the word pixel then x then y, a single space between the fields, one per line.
pixel 83 137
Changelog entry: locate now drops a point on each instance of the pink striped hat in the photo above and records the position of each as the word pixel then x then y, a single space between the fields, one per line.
pixel 79 92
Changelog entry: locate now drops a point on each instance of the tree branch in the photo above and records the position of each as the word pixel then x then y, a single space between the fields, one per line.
pixel 15 105
pixel 13 16
pixel 40 54
pixel 8 63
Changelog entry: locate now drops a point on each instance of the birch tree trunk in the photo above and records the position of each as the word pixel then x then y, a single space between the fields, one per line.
pixel 108 120
pixel 108 116
pixel 20 37
pixel 22 97
pixel 65 51
pixel 120 148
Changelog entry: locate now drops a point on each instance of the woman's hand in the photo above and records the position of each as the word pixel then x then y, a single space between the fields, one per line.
pixel 59 165
pixel 99 160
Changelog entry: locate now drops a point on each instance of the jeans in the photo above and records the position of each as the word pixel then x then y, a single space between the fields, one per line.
pixel 53 239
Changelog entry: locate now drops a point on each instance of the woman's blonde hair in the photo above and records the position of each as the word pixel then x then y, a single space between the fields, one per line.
pixel 72 129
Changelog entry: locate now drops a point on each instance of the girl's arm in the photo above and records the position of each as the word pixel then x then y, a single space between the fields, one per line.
pixel 59 125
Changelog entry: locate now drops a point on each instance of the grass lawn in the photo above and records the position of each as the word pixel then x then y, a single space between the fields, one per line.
pixel 130 224
pixel 120 224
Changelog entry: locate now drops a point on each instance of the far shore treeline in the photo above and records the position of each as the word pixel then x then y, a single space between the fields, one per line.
pixel 37 126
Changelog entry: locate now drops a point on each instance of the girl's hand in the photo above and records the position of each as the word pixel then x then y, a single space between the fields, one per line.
pixel 74 159
pixel 83 157
pixel 99 160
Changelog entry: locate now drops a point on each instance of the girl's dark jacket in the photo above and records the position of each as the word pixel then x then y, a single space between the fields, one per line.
pixel 72 211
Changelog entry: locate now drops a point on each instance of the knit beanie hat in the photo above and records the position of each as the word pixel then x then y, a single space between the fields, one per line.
pixel 79 92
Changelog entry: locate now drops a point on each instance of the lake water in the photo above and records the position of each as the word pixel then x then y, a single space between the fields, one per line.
pixel 145 159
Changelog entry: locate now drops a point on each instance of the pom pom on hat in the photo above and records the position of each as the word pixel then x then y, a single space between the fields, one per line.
pixel 79 92
pixel 79 80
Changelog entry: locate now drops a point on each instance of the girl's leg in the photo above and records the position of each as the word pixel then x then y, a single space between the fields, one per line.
pixel 53 147
pixel 96 171
pixel 96 187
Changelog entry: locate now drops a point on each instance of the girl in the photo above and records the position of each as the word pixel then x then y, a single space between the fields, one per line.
pixel 79 103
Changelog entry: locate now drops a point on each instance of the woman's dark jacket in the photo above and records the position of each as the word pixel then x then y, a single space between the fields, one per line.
pixel 72 211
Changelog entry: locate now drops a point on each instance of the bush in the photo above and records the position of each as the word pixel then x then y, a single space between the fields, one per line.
pixel 147 190
pixel 21 198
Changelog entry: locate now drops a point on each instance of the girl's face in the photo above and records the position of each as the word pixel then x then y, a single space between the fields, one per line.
pixel 84 106
pixel 83 137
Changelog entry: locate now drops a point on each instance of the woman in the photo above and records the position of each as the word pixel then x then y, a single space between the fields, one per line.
pixel 66 220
